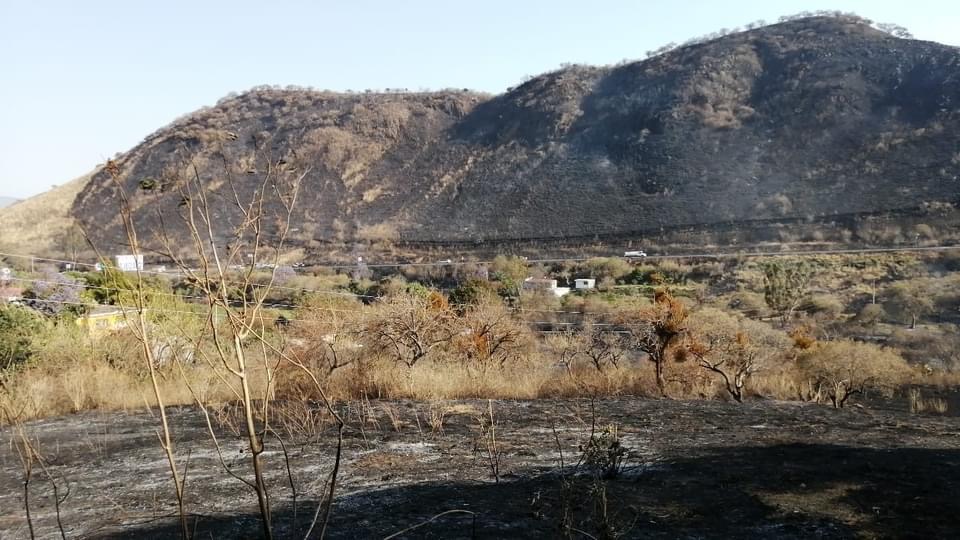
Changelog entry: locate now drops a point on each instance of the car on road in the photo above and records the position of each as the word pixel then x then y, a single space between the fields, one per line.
pixel 638 253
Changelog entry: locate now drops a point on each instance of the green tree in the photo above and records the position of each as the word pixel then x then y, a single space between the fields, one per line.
pixel 18 328
pixel 784 286
pixel 510 271
pixel 470 293
pixel 910 299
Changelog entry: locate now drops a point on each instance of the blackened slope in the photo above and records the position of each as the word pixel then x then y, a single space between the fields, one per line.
pixel 810 118
pixel 815 117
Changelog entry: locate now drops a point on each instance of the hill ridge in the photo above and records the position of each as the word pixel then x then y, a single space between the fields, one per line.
pixel 812 119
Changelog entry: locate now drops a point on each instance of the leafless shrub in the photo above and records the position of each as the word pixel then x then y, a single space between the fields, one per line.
pixel 487 445
pixel 393 414
pixel 603 454
pixel 490 336
pixel 408 327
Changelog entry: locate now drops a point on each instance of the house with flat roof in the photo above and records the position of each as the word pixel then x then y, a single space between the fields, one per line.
pixel 532 284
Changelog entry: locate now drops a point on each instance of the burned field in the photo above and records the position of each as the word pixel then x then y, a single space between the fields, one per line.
pixel 657 468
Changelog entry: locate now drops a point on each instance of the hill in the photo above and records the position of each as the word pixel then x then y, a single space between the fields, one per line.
pixel 819 120
pixel 43 223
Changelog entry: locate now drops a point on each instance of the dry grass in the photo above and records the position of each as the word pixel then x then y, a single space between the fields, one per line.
pixel 928 405
pixel 39 392
pixel 74 372
pixel 88 383
pixel 18 223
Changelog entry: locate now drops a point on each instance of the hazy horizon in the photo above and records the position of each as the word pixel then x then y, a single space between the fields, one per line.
pixel 83 82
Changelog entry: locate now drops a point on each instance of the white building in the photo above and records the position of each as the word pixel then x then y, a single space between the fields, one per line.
pixel 585 283
pixel 129 263
pixel 547 285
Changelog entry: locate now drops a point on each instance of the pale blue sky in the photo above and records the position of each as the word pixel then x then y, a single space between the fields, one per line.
pixel 82 80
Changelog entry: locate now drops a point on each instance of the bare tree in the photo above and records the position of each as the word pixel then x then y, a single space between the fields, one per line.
pixel 655 330
pixel 408 327
pixel 246 229
pixel 565 347
pixel 136 319
pixel 602 344
pixel 323 339
pixel 733 348
pixel 491 335
pixel 912 299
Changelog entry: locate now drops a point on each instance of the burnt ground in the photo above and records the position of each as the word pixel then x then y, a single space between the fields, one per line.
pixel 695 469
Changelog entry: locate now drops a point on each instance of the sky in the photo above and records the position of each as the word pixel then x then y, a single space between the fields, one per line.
pixel 81 81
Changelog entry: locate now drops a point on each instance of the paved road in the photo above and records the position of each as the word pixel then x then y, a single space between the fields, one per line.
pixel 692 255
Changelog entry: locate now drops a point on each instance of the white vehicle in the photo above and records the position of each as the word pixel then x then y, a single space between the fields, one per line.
pixel 634 253
pixel 445 261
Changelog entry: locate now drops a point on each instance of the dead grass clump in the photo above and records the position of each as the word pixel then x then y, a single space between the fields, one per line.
pixel 925 405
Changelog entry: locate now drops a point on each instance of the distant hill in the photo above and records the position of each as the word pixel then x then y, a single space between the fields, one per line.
pixel 37 225
pixel 7 201
pixel 822 119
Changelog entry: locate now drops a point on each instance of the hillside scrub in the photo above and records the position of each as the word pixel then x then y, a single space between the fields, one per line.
pixel 408 340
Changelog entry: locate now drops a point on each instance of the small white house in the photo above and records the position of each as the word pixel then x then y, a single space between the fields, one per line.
pixel 585 283
pixel 546 285
pixel 129 263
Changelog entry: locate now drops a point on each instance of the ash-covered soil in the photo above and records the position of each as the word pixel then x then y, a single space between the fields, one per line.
pixel 694 469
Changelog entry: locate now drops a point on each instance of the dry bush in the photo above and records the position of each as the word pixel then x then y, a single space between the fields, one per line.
pixel 733 348
pixel 845 368
pixel 822 306
pixel 910 300
pixel 381 232
pixel 782 382
pixel 410 327
pixel 72 372
pixel 489 336
pixel 326 336
pixel 870 315
pixel 749 303
pixel 656 330
pixel 935 350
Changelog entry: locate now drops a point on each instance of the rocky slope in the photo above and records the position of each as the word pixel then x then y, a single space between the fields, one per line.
pixel 812 119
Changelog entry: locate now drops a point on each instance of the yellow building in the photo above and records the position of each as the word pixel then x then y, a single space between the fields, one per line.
pixel 104 319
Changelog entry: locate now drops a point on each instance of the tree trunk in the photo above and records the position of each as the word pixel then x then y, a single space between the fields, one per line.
pixel 253 440
pixel 661 380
